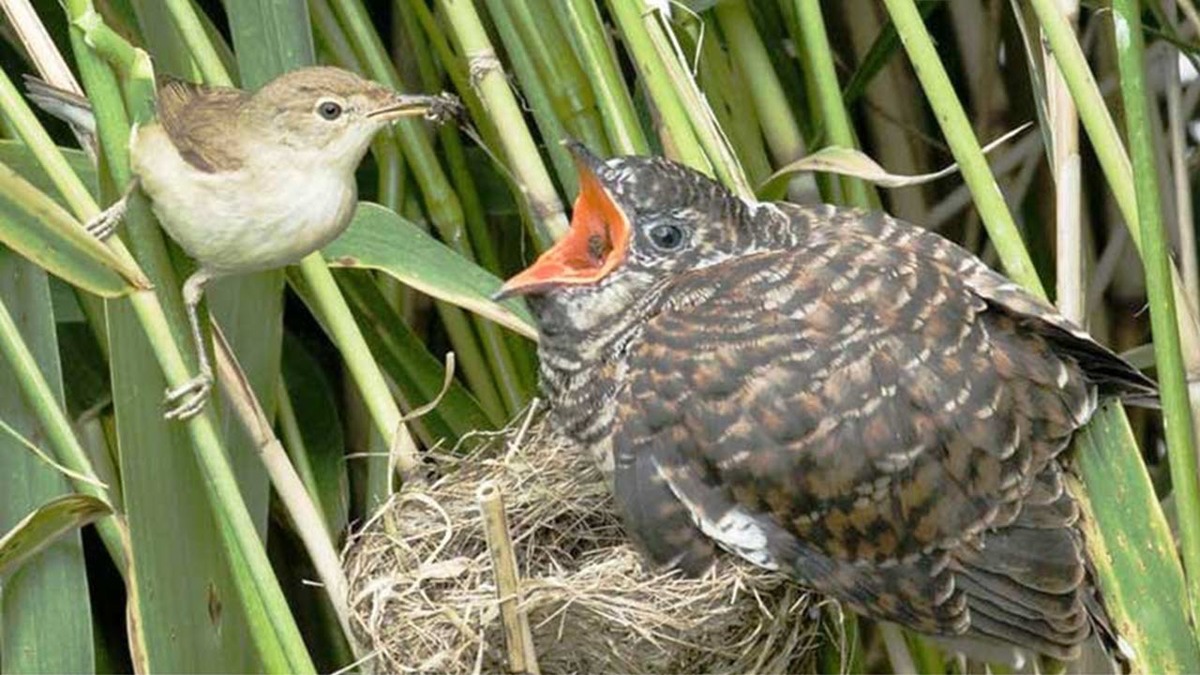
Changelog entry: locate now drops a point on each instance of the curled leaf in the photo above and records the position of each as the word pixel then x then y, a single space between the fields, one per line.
pixel 850 162
pixel 45 525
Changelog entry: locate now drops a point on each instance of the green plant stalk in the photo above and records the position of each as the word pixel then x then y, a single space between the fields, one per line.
pixel 67 449
pixel 329 34
pixel 1093 112
pixel 830 187
pixel 282 647
pixel 423 32
pixel 750 54
pixel 1107 143
pixel 196 39
pixel 393 170
pixel 293 440
pixel 548 219
pixel 1106 140
pixel 440 198
pixel 571 92
pixel 363 368
pixel 475 365
pixel 445 210
pixel 879 55
pixel 828 94
pixel 549 110
pixel 1001 227
pixel 728 95
pixel 1172 379
pixel 417 373
pixel 452 146
pixel 679 139
pixel 455 68
pixel 703 122
pixel 599 63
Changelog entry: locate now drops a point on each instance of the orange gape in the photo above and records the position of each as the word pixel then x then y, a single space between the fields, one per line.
pixel 597 242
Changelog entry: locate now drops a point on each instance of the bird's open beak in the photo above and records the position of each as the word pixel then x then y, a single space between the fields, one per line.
pixel 595 244
pixel 395 106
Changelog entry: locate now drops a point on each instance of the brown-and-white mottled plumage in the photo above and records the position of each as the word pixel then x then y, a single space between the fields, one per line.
pixel 829 392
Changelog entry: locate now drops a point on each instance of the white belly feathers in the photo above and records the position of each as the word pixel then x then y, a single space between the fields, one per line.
pixel 308 209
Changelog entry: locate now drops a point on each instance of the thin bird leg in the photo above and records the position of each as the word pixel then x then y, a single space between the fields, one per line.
pixel 189 398
pixel 106 222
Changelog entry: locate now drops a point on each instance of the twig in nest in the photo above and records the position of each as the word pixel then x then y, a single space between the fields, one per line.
pixel 517 637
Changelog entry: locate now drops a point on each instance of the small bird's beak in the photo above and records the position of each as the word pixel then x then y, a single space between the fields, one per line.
pixel 596 243
pixel 395 106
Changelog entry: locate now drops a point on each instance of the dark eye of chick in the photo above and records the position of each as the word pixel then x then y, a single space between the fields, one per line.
pixel 666 237
pixel 329 110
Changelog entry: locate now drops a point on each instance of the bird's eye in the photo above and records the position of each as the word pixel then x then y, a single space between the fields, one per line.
pixel 329 110
pixel 666 237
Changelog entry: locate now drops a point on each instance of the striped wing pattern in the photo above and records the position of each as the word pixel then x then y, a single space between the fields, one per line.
pixel 878 413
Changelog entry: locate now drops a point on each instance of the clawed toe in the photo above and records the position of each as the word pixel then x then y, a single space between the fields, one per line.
pixel 188 399
pixel 105 223
pixel 102 226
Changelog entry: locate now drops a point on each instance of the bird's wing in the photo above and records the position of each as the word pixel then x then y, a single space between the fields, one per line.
pixel 855 412
pixel 201 139
pixel 1113 375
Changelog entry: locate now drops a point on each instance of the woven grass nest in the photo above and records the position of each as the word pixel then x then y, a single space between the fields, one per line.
pixel 423 588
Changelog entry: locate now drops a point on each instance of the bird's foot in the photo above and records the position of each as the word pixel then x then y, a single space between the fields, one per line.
pixel 188 399
pixel 106 222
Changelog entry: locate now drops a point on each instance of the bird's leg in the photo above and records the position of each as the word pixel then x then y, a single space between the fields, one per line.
pixel 105 223
pixel 188 398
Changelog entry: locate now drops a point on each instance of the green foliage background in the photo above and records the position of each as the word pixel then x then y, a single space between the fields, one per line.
pixel 216 527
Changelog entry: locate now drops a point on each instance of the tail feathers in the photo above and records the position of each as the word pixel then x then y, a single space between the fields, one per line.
pixel 1028 583
pixel 991 621
pixel 65 105
pixel 1113 375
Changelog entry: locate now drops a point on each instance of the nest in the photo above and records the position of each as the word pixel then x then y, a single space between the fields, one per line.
pixel 423 588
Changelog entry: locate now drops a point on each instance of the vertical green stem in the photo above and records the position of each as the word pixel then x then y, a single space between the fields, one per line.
pixel 283 647
pixel 549 109
pixel 1177 422
pixel 569 89
pixel 1001 227
pixel 616 108
pixel 748 50
pixel 487 77
pixel 196 39
pixel 676 130
pixel 662 34
pixel 829 93
pixel 67 450
pixel 445 210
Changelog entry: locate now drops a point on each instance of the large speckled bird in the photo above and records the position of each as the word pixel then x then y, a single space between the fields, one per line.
pixel 825 391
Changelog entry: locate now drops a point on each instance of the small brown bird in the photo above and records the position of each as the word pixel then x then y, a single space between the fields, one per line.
pixel 829 392
pixel 247 182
